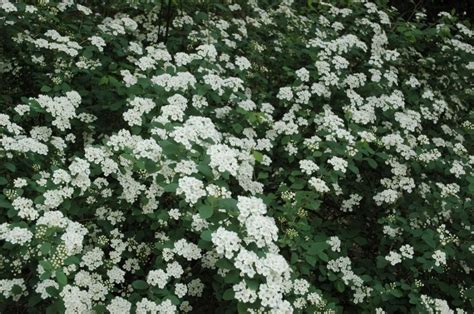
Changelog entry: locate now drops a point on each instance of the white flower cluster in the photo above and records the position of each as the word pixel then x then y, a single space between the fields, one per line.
pixel 192 188
pixel 439 257
pixel 63 108
pixel 15 235
pixel 335 243
pixel 343 265
pixel 57 42
pixel 223 158
pixel 338 164
pixel 112 204
pixel 308 166
pixel 226 242
pixel 140 106
pixel 318 184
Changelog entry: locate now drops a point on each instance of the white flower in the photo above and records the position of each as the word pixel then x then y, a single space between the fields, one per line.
pixel 285 93
pixel 243 63
pixel 97 41
pixel 243 293
pixel 20 182
pixel 261 230
pixel 407 251
pixel 335 244
pixel 439 257
pixel 226 242
pixel 25 208
pixel 303 75
pixel 62 109
pixel 93 258
pixel 119 305
pixel 300 286
pixel 192 188
pixel 308 166
pixel 157 278
pixel 318 184
pixel 394 258
pixel 245 262
pixel 7 285
pixel 189 251
pixel 249 206
pixel 76 300
pixel 338 164
pixel 195 288
pixel 174 269
pixel 223 158
pixel 388 196
pixel 207 51
pixel 42 285
pixel 174 213
pixel 16 235
pixel 180 290
pixel 128 78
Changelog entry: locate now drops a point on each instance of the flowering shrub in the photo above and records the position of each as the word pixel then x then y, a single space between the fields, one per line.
pixel 266 157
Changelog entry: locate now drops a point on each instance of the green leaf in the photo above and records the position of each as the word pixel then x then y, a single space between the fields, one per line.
pixel 232 277
pixel 104 80
pixel 206 235
pixel 323 256
pixel 228 294
pixel 45 89
pixel 171 187
pixel 372 163
pixel 72 260
pixel 228 203
pixel 311 259
pixel 4 203
pixel 3 181
pixel 257 155
pixel 428 238
pixel 151 166
pixel 61 277
pixel 340 286
pixel 10 166
pixel 252 284
pixel 204 168
pixel 34 299
pixel 46 265
pixel 140 284
pixel 205 211
pixel 353 168
pixel 45 248
pixel 381 262
pixel 223 263
pixel 397 293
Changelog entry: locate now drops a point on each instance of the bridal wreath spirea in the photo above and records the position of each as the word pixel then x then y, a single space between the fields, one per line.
pixel 235 157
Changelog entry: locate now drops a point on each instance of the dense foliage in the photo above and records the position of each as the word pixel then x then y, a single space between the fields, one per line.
pixel 221 156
